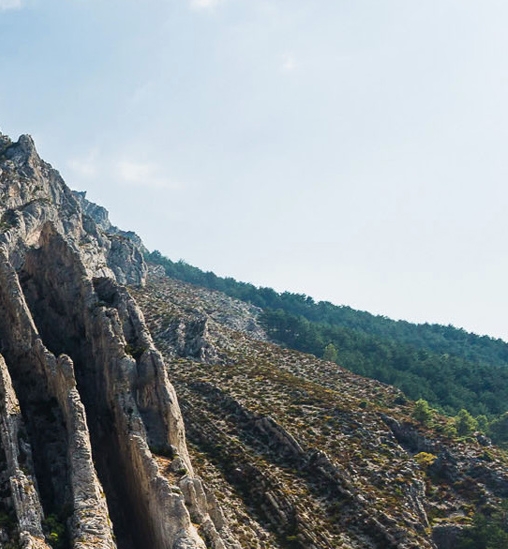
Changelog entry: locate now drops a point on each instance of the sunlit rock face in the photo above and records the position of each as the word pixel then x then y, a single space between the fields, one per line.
pixel 264 448
pixel 93 450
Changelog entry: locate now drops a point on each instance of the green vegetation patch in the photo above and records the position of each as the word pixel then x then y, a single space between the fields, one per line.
pixel 450 368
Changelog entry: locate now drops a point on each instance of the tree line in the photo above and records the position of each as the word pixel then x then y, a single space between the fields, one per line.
pixel 451 369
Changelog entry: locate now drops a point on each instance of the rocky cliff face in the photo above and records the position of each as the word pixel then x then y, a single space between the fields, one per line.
pixel 93 450
pixel 279 451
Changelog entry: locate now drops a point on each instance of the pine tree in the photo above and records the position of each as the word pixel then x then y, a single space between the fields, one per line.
pixel 330 353
pixel 465 423
pixel 422 412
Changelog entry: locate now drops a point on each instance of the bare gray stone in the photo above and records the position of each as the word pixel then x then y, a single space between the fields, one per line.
pixel 81 368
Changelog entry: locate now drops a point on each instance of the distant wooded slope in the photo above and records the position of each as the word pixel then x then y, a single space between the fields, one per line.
pixel 447 366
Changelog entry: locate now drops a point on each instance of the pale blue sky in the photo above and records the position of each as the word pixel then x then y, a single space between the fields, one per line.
pixel 352 150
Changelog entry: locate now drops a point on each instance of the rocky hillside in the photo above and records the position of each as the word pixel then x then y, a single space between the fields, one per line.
pixel 140 412
pixel 302 453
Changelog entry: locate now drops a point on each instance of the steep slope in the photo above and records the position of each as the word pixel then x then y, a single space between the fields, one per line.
pixel 449 367
pixel 86 407
pixel 295 452
pixel 302 453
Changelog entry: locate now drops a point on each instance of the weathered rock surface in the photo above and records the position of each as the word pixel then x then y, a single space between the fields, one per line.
pixel 93 450
pixel 18 472
pixel 302 453
pixel 101 217
pixel 282 451
pixel 33 193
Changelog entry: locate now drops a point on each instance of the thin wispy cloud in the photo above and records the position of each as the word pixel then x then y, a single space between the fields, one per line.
pixel 289 63
pixel 141 174
pixel 125 172
pixel 85 167
pixel 10 5
pixel 198 5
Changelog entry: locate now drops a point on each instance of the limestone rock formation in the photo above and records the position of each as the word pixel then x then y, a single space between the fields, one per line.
pixel 101 217
pixel 93 450
pixel 264 448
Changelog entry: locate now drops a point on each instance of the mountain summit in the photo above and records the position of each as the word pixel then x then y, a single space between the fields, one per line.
pixel 262 448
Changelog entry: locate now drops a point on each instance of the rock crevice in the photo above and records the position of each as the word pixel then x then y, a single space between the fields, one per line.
pixel 82 381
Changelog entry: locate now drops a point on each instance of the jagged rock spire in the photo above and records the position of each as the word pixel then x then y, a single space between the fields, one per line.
pixel 78 364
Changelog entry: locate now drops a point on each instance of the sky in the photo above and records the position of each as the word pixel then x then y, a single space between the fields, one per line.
pixel 351 150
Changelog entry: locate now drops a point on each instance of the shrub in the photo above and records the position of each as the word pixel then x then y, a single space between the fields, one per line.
pixel 465 423
pixel 422 412
pixel 424 459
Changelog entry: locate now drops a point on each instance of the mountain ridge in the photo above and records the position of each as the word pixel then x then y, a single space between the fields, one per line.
pixel 272 299
pixel 449 367
pixel 90 393
pixel 138 411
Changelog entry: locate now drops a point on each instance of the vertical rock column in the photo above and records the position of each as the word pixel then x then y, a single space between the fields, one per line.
pixel 18 456
pixel 56 428
pixel 130 406
pixel 146 415
pixel 91 526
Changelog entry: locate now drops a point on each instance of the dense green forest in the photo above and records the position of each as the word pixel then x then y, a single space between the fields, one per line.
pixel 431 337
pixel 448 367
pixel 447 381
